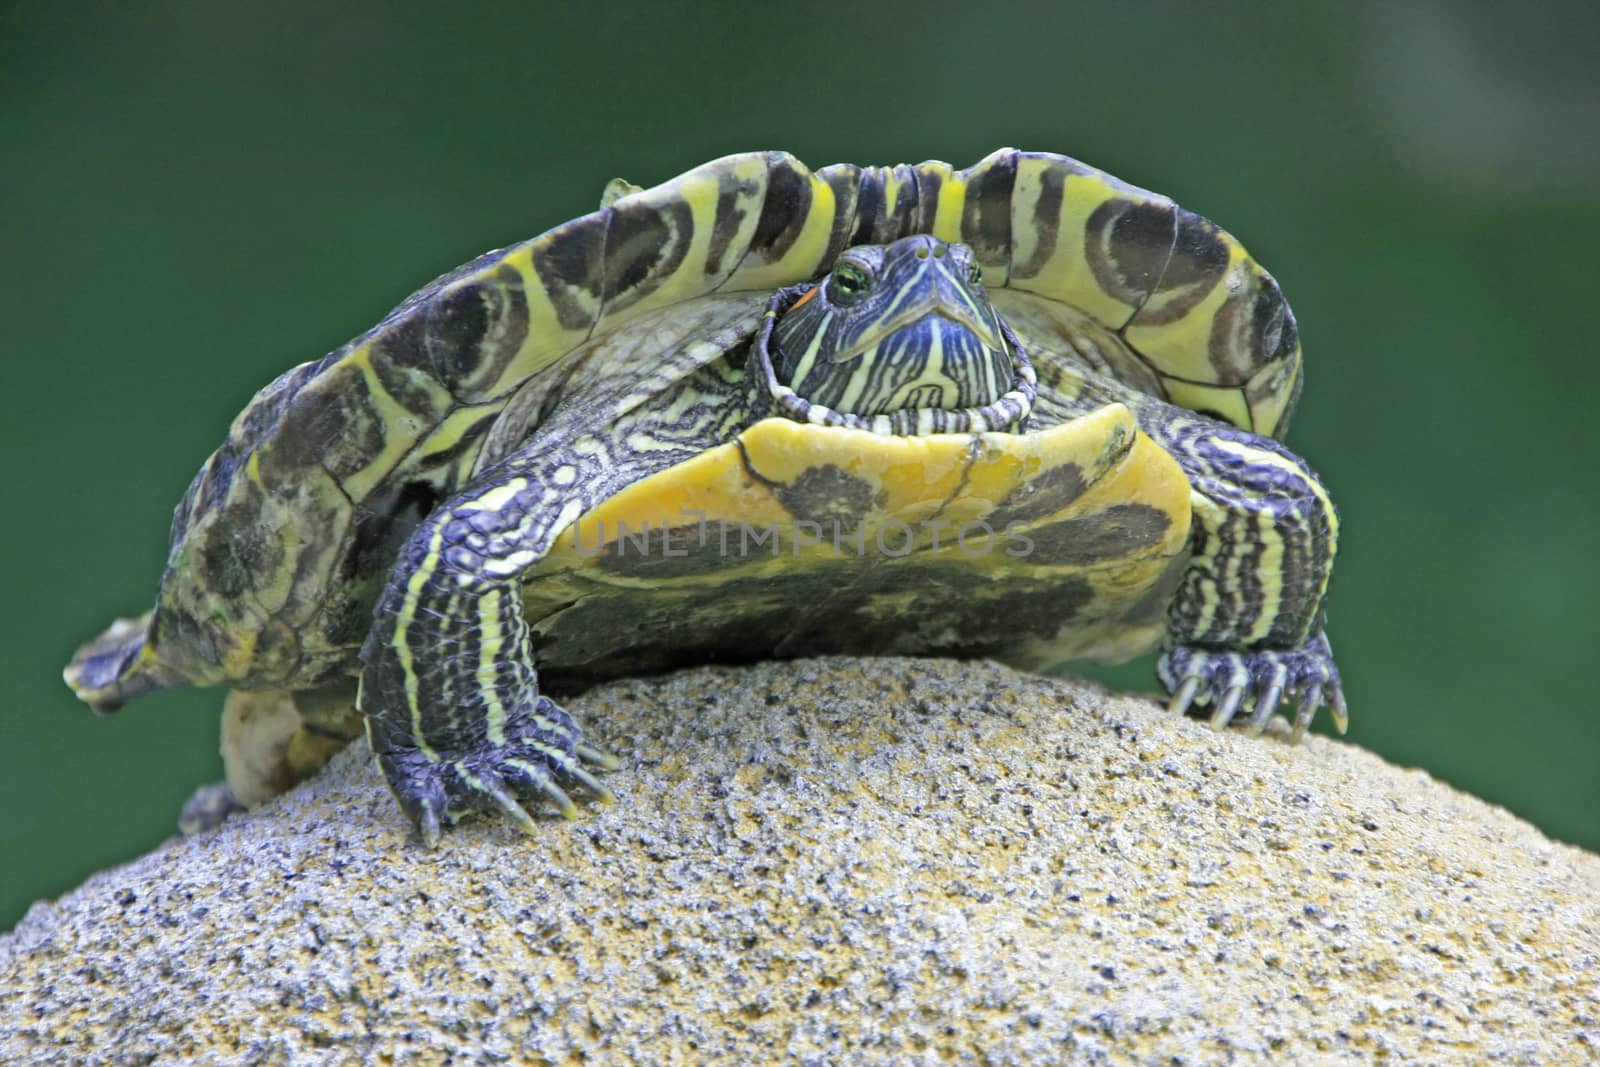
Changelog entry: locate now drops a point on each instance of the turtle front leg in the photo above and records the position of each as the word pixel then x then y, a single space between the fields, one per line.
pixel 1245 630
pixel 449 690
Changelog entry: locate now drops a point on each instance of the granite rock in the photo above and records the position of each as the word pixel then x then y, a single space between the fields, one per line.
pixel 846 861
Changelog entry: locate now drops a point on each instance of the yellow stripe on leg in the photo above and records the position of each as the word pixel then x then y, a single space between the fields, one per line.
pixel 402 649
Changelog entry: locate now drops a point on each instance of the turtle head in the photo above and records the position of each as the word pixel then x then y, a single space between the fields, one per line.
pixel 898 338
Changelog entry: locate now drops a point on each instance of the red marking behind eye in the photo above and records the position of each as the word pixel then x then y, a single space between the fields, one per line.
pixel 807 295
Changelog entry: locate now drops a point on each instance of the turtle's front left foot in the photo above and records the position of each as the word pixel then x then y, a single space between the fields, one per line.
pixel 1231 680
pixel 540 757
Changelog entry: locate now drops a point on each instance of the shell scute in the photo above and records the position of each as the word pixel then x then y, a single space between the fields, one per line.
pixel 683 239
pixel 986 213
pixel 569 270
pixel 1087 239
pixel 1217 325
pixel 888 204
pixel 475 330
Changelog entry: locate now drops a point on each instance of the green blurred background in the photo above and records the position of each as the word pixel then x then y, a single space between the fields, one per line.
pixel 196 196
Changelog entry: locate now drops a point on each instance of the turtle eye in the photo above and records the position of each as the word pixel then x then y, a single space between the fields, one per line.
pixel 848 283
pixel 974 273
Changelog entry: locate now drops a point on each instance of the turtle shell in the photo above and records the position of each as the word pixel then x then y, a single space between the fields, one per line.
pixel 288 531
pixel 798 539
pixel 1174 304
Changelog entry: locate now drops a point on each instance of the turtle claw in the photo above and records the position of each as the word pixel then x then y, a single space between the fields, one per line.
pixel 539 756
pixel 1307 710
pixel 509 804
pixel 1229 679
pixel 1227 708
pixel 428 824
pixel 1338 710
pixel 595 786
pixel 533 780
pixel 1184 695
pixel 1266 704
pixel 597 756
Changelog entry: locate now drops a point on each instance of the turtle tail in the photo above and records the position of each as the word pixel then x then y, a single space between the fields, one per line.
pixel 117 666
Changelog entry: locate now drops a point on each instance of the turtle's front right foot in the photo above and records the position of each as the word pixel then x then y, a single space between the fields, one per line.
pixel 540 757
pixel 1234 680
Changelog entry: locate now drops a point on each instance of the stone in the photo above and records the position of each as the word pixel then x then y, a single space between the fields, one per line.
pixel 844 861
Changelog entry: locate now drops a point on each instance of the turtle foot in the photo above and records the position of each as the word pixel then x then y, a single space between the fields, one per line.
pixel 1257 680
pixel 207 808
pixel 541 758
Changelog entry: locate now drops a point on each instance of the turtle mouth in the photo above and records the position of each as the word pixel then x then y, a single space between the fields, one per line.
pixel 961 316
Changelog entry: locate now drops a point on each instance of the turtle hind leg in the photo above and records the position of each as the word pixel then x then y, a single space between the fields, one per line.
pixel 208 808
pixel 272 740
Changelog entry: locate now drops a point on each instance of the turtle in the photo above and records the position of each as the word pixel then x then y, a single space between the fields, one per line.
pixel 1024 411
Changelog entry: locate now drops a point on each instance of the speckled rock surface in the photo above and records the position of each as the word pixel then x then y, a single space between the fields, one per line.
pixel 842 861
